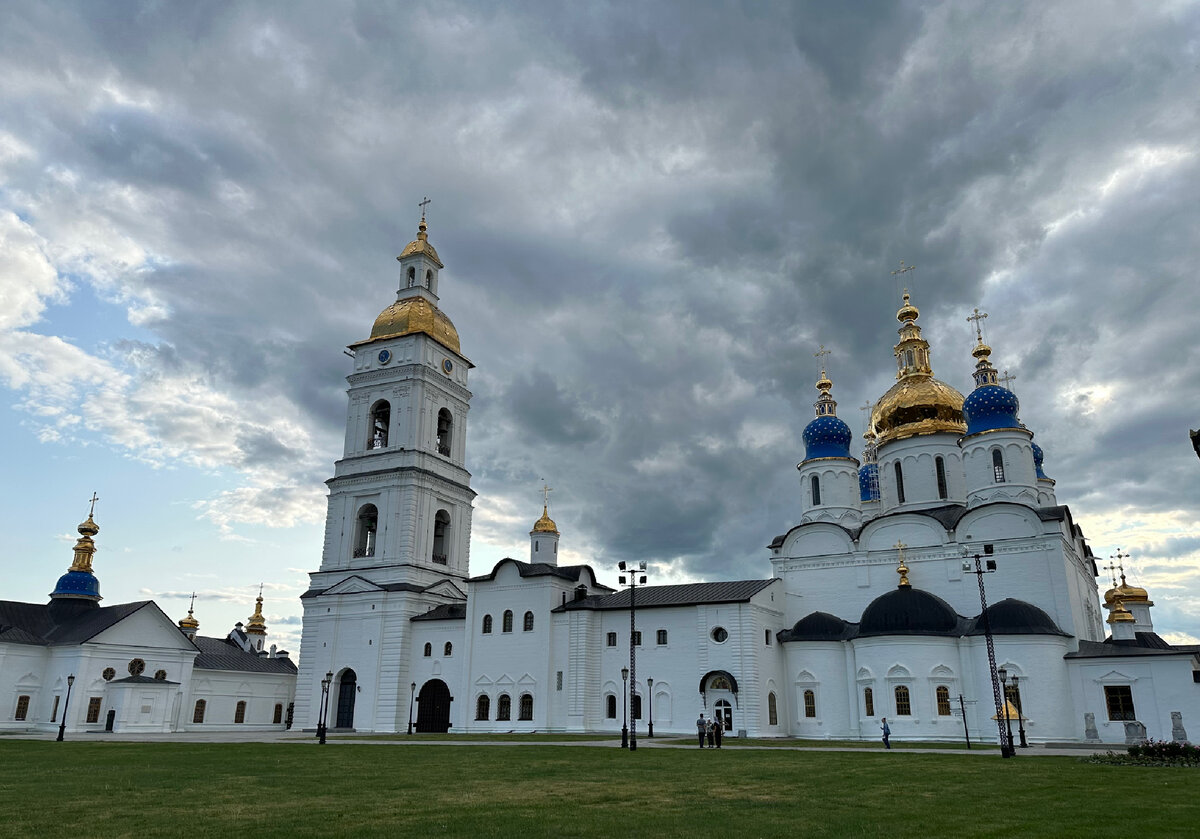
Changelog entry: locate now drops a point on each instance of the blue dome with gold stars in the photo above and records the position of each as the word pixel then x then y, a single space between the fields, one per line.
pixel 868 482
pixel 1038 457
pixel 990 407
pixel 77 584
pixel 827 436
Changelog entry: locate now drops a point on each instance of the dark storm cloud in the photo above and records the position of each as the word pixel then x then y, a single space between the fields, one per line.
pixel 651 215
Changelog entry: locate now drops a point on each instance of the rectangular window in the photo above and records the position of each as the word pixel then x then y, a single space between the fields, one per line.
pixel 239 713
pixel 93 714
pixel 767 637
pixel 54 713
pixel 903 702
pixel 1120 702
pixel 810 704
pixel 610 640
pixel 869 701
pixel 22 708
pixel 558 680
pixel 662 637
pixel 637 639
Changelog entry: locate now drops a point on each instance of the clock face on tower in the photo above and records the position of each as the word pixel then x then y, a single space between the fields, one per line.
pixel 385 356
pixel 447 366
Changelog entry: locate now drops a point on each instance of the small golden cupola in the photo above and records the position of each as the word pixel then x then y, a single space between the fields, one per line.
pixel 257 627
pixel 918 403
pixel 190 625
pixel 543 539
pixel 79 583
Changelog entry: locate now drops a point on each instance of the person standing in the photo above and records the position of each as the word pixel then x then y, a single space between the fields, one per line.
pixel 700 728
pixel 718 731
pixel 712 724
pixel 887 732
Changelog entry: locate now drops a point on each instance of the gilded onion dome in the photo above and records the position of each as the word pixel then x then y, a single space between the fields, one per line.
pixel 190 622
pixel 420 245
pixel 545 524
pixel 1125 593
pixel 413 315
pixel 258 623
pixel 918 403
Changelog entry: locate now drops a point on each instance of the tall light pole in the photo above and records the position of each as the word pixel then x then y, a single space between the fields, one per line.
pixel 1020 713
pixel 62 726
pixel 650 690
pixel 1006 749
pixel 637 576
pixel 412 692
pixel 323 711
pixel 624 709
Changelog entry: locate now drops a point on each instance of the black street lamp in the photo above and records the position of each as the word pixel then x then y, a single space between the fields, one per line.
pixel 323 711
pixel 1020 713
pixel 1003 674
pixel 637 576
pixel 412 691
pixel 650 690
pixel 1005 737
pixel 624 712
pixel 62 726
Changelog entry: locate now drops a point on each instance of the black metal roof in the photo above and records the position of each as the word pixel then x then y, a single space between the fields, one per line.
pixel 1144 643
pixel 909 611
pixel 541 569
pixel 141 680
pixel 819 626
pixel 686 594
pixel 36 623
pixel 1016 617
pixel 223 654
pixel 317 592
pixel 444 612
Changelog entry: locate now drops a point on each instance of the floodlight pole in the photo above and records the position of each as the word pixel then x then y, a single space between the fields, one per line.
pixel 62 726
pixel 1006 749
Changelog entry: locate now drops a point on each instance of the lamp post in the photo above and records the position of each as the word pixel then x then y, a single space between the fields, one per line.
pixel 637 576
pixel 624 712
pixel 1006 749
pixel 1003 674
pixel 650 690
pixel 1020 713
pixel 62 726
pixel 323 711
pixel 412 692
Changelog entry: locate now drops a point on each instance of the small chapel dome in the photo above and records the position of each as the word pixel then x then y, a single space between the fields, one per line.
pixel 77 584
pixel 868 482
pixel 817 626
pixel 421 246
pixel 827 437
pixel 545 524
pixel 1015 617
pixel 1038 457
pixel 413 315
pixel 79 581
pixel 991 407
pixel 908 611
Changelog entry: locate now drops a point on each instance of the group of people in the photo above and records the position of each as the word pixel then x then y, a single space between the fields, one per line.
pixel 713 730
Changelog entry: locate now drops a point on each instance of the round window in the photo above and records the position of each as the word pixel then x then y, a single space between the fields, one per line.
pixel 161 675
pixel 108 674
pixel 137 667
pixel 719 634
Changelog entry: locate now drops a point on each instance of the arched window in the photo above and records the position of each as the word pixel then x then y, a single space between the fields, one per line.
pixel 772 710
pixel 448 649
pixel 428 649
pixel 278 718
pixel 381 416
pixel 368 524
pixel 525 711
pixel 483 707
pixel 610 707
pixel 903 702
pixel 943 700
pixel 441 523
pixel 869 702
pixel 504 707
pixel 487 624
pixel 198 713
pixel 816 491
pixel 508 618
pixel 998 466
pixel 239 714
pixel 939 465
pixel 810 704
pixel 22 707
pixel 528 622
pixel 412 276
pixel 899 483
pixel 445 421
pixel 429 279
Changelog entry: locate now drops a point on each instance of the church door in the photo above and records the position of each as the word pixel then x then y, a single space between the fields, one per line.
pixel 433 707
pixel 724 712
pixel 110 720
pixel 345 699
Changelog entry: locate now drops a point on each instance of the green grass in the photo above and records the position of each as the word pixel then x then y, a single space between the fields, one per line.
pixel 795 743
pixel 260 791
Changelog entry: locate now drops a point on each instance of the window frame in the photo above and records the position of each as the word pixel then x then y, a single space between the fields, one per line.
pixel 506 622
pixel 504 708
pixel 903 705
pixel 941 699
pixel 1118 700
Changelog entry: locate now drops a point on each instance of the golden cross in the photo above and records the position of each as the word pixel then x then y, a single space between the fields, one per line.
pixel 1112 571
pixel 1006 378
pixel 546 490
pixel 423 204
pixel 904 269
pixel 1121 557
pixel 977 317
pixel 900 546
pixel 92 509
pixel 821 353
pixel 192 604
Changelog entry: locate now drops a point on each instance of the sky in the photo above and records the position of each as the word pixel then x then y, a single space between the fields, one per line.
pixel 652 215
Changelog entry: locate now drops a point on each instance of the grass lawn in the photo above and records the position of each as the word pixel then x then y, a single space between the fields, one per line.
pixel 259 791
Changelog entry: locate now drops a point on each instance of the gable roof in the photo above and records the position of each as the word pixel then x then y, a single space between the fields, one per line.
pixel 659 597
pixel 444 612
pixel 223 654
pixel 541 569
pixel 34 623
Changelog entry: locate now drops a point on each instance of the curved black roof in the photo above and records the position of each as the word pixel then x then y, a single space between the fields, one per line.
pixel 818 626
pixel 909 611
pixel 1016 617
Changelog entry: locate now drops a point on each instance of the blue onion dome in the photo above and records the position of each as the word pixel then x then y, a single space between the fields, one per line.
pixel 990 405
pixel 79 581
pixel 868 482
pixel 827 435
pixel 1038 457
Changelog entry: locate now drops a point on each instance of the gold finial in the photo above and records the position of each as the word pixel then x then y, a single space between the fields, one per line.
pixel 902 569
pixel 85 547
pixel 258 623
pixel 190 621
pixel 1119 613
pixel 978 318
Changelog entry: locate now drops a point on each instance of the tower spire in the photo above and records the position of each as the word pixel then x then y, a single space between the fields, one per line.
pixel 825 404
pixel 912 350
pixel 258 623
pixel 985 373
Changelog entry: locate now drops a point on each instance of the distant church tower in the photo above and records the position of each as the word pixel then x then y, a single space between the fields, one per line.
pixel 398 527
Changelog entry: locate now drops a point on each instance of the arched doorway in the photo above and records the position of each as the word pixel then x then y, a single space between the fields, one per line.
pixel 347 688
pixel 433 707
pixel 719 689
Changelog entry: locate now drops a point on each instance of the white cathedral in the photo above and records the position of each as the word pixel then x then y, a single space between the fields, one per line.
pixel 873 610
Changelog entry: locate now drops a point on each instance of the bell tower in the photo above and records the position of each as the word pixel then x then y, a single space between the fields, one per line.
pixel 398 524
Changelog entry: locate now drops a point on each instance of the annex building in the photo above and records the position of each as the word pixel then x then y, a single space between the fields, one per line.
pixel 872 611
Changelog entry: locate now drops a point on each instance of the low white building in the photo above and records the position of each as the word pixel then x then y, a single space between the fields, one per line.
pixel 128 668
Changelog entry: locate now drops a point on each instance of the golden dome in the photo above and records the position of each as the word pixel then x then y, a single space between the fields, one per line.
pixel 545 524
pixel 1119 613
pixel 917 404
pixel 189 622
pixel 258 623
pixel 421 246
pixel 410 316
